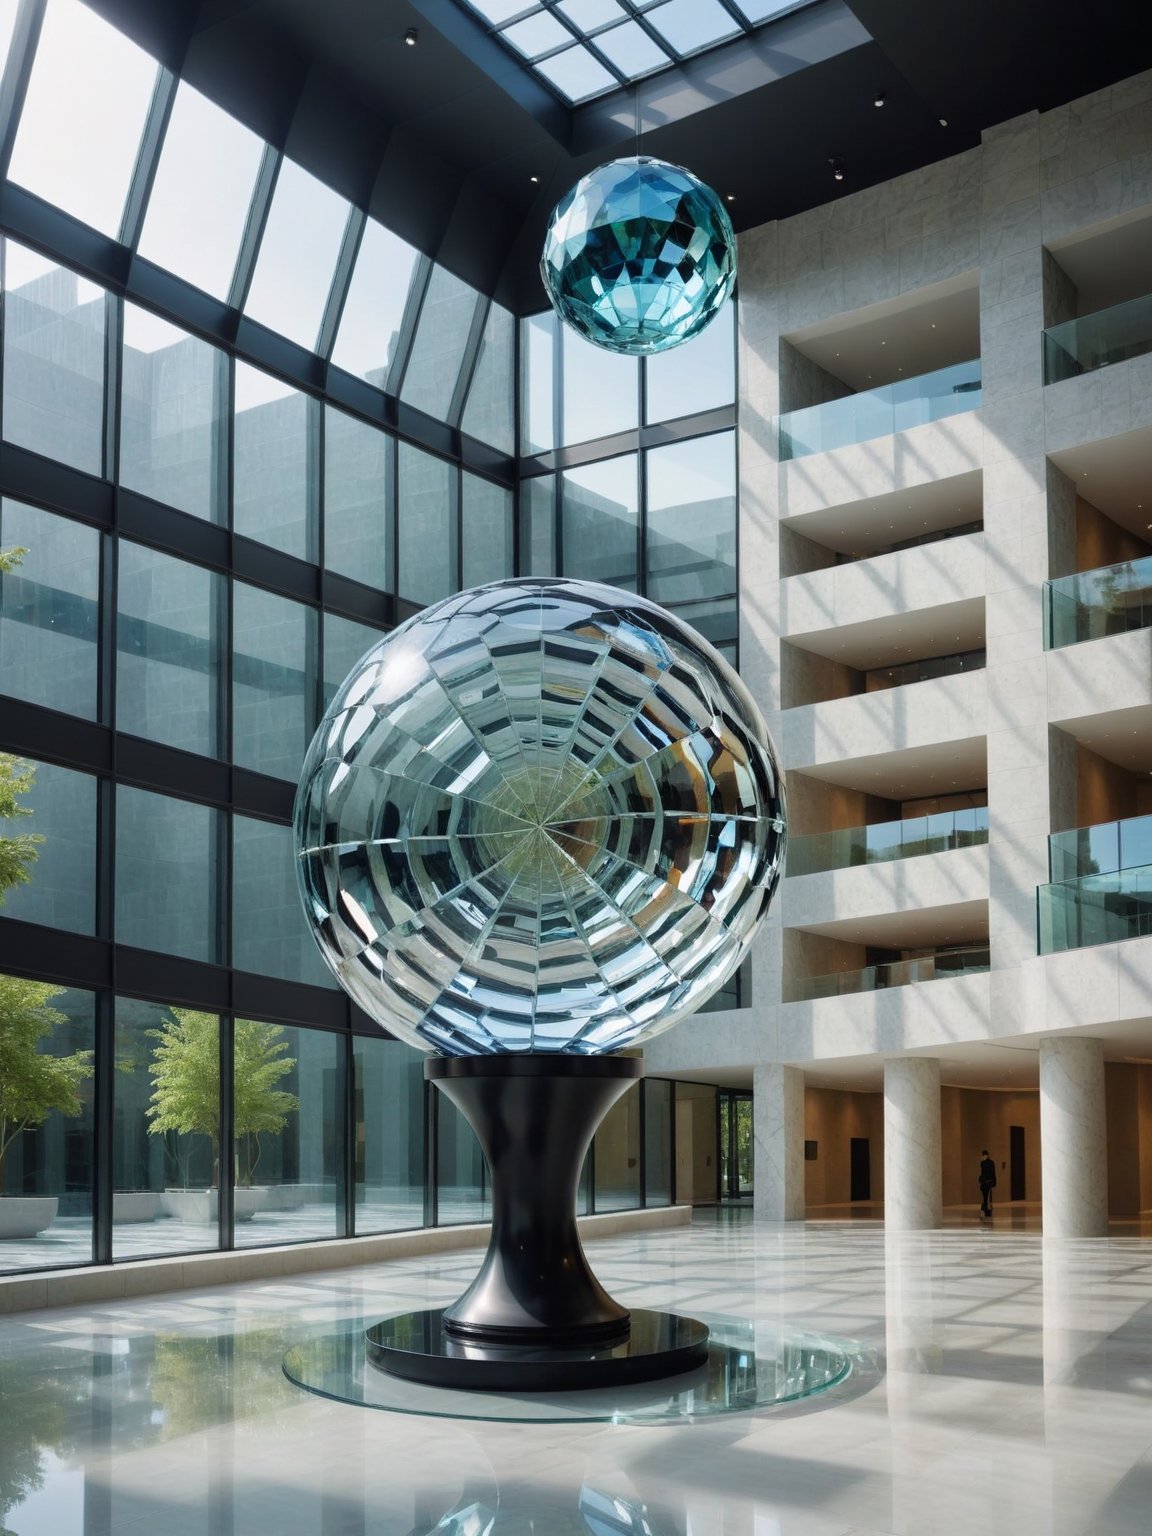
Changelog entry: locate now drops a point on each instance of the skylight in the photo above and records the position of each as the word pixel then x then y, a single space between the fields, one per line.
pixel 585 48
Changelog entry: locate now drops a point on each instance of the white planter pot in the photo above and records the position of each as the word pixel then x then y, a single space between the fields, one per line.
pixel 26 1215
pixel 134 1205
pixel 201 1207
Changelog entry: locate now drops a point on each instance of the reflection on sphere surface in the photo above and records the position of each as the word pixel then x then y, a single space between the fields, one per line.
pixel 543 815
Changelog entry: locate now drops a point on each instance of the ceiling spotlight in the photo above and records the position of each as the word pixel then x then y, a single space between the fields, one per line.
pixel 943 122
pixel 837 168
pixel 731 198
pixel 412 36
pixel 878 99
pixel 534 179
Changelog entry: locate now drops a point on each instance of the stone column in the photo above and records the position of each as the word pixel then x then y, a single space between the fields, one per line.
pixel 912 1186
pixel 778 1129
pixel 1073 1137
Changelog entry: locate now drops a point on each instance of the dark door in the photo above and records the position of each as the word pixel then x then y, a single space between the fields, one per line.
pixel 1017 1174
pixel 861 1169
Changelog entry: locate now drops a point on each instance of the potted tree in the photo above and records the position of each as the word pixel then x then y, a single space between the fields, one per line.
pixel 185 1071
pixel 33 1084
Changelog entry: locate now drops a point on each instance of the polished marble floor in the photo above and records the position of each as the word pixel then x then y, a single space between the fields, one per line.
pixel 1015 1396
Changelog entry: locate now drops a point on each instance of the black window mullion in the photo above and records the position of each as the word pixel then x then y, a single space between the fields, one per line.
pixel 346 1141
pixel 409 324
pixel 470 361
pixel 254 227
pixel 147 158
pixel 341 281
pixel 226 1176
pixel 103 1139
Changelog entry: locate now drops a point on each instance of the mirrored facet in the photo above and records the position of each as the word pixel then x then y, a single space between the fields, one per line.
pixel 639 256
pixel 542 815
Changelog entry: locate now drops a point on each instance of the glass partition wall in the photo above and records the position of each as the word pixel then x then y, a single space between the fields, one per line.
pixel 232 461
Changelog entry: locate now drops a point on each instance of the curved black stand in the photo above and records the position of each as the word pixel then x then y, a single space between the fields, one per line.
pixel 535 1316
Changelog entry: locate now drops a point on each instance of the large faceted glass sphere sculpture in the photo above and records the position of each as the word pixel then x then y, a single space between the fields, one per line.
pixel 540 816
pixel 639 256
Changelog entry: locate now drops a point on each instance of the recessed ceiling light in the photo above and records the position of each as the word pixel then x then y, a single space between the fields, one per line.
pixel 412 36
pixel 837 167
pixel 878 99
pixel 534 178
pixel 943 122
pixel 731 198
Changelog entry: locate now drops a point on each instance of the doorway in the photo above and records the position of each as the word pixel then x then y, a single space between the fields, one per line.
pixel 1017 1169
pixel 860 1178
pixel 736 1179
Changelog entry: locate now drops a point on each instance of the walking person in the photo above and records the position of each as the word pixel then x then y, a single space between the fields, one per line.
pixel 987 1183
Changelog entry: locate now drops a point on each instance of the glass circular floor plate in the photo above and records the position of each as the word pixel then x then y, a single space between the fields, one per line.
pixel 749 1367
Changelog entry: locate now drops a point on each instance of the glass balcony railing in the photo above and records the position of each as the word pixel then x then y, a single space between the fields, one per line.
pixel 1093 341
pixel 880 412
pixel 1104 849
pixel 885 841
pixel 1096 909
pixel 946 964
pixel 924 671
pixel 1107 601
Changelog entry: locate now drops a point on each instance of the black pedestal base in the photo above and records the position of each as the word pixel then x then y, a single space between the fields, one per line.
pixel 418 1347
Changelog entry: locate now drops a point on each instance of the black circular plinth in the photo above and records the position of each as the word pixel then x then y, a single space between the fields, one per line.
pixel 417 1347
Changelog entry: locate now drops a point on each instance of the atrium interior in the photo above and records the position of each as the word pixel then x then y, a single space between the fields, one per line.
pixel 278 372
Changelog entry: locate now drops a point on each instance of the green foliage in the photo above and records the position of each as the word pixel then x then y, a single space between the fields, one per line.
pixel 185 1072
pixel 33 1084
pixel 16 853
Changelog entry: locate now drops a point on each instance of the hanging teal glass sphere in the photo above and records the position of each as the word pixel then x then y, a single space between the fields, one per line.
pixel 639 256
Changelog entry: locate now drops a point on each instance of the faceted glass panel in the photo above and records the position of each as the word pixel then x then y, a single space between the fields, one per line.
pixel 199 202
pixel 54 323
pixel 83 117
pixel 639 256
pixel 542 815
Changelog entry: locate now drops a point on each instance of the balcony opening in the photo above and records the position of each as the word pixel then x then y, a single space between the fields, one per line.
pixel 874 954
pixel 911 647
pixel 1100 854
pixel 882 525
pixel 881 369
pixel 1097 298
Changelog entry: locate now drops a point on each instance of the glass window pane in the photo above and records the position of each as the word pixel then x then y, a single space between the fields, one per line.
pixel 488 551
pixel 576 73
pixel 272 463
pixel 657 1141
pixel 7 26
pixel 632 50
pixel 357 499
pixel 297 256
pixel 616 1155
pixel 488 415
pixel 168 622
pixel 591 13
pixel 764 10
pixel 57 807
pixel 202 193
pixel 699 376
pixel 166 1130
pixel 374 308
pixel 269 932
pixel 716 621
pixel 600 521
pixel 171 427
pixel 47 1038
pixel 49 610
pixel 54 325
pixel 83 117
pixel 692 24
pixel 464 1186
pixel 288 1133
pixel 537 34
pixel 166 874
pixel 273 680
pixel 345 641
pixel 389 1135
pixel 538 526
pixel 538 343
pixel 497 11
pixel 439 345
pixel 692 519
pixel 601 391
pixel 427 526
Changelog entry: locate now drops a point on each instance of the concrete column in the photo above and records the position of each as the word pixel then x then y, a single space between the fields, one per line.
pixel 1073 1137
pixel 778 1129
pixel 912 1185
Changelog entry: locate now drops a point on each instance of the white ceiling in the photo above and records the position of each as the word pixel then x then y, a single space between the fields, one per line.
pixel 962 922
pixel 934 328
pixel 1110 265
pixel 939 769
pixel 900 637
pixel 1115 475
pixel 868 527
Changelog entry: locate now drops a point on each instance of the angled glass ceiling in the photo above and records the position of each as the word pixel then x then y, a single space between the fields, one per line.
pixel 585 48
